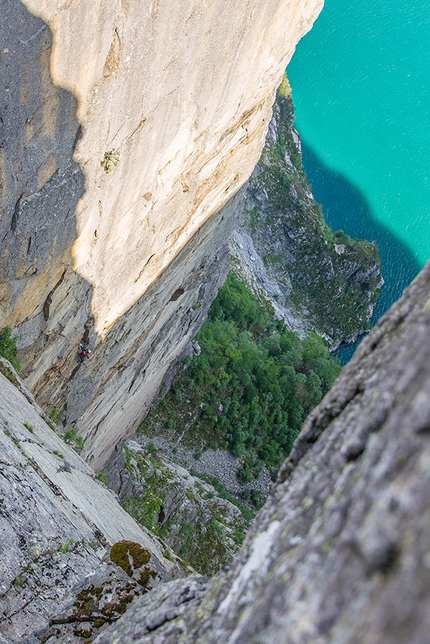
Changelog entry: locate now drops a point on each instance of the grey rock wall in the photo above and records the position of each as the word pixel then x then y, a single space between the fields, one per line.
pixel 57 522
pixel 106 397
pixel 340 551
pixel 40 183
pixel 48 200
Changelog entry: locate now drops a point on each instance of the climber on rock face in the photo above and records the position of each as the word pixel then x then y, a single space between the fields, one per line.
pixel 83 352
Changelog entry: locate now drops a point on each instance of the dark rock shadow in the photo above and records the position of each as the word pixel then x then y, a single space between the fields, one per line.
pixel 346 208
pixel 40 183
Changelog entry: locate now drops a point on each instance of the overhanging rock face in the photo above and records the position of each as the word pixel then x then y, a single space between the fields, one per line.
pixel 340 551
pixel 174 101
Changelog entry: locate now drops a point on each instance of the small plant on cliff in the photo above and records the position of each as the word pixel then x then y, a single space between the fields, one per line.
pixel 19 581
pixel 66 547
pixel 102 477
pixel 285 88
pixel 8 348
pixel 70 437
pixel 110 161
pixel 145 510
pixel 53 414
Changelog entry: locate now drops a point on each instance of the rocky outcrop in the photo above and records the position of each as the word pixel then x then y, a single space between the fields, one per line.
pixel 316 280
pixel 124 129
pixel 203 528
pixel 340 551
pixel 57 523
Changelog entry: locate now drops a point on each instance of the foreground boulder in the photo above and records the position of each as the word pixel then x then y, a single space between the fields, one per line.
pixel 341 550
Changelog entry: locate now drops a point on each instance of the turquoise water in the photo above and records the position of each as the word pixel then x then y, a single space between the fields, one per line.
pixel 361 89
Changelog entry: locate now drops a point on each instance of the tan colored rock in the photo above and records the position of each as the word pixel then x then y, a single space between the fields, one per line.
pixel 180 94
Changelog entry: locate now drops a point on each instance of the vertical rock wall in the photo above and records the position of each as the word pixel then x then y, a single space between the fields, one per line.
pixel 125 127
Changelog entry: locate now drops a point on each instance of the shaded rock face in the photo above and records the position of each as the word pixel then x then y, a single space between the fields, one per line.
pixel 340 551
pixel 317 280
pixel 125 128
pixel 106 397
pixel 40 182
pixel 57 523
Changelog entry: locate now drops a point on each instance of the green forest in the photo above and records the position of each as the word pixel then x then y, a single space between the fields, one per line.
pixel 250 388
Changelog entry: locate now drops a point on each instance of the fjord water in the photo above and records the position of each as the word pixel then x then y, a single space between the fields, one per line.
pixel 361 89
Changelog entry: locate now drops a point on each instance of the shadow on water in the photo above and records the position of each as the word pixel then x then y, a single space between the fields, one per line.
pixel 345 208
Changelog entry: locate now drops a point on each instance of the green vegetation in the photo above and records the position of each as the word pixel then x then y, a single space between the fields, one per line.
pixel 110 161
pixel 53 414
pixel 248 391
pixel 66 547
pixel 285 88
pixel 102 477
pixel 151 449
pixel 29 427
pixel 157 477
pixel 7 373
pixel 251 387
pixel 8 348
pixel 196 530
pixel 70 437
pixel 145 510
pixel 19 581
pixel 129 555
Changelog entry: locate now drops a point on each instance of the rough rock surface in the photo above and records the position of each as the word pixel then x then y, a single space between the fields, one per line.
pixel 124 128
pixel 340 551
pixel 204 529
pixel 95 602
pixel 316 280
pixel 218 463
pixel 57 522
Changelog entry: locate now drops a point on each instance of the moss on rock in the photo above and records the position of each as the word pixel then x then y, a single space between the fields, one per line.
pixel 129 555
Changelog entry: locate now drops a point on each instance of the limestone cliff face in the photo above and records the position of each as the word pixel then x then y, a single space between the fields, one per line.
pixel 179 95
pixel 125 127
